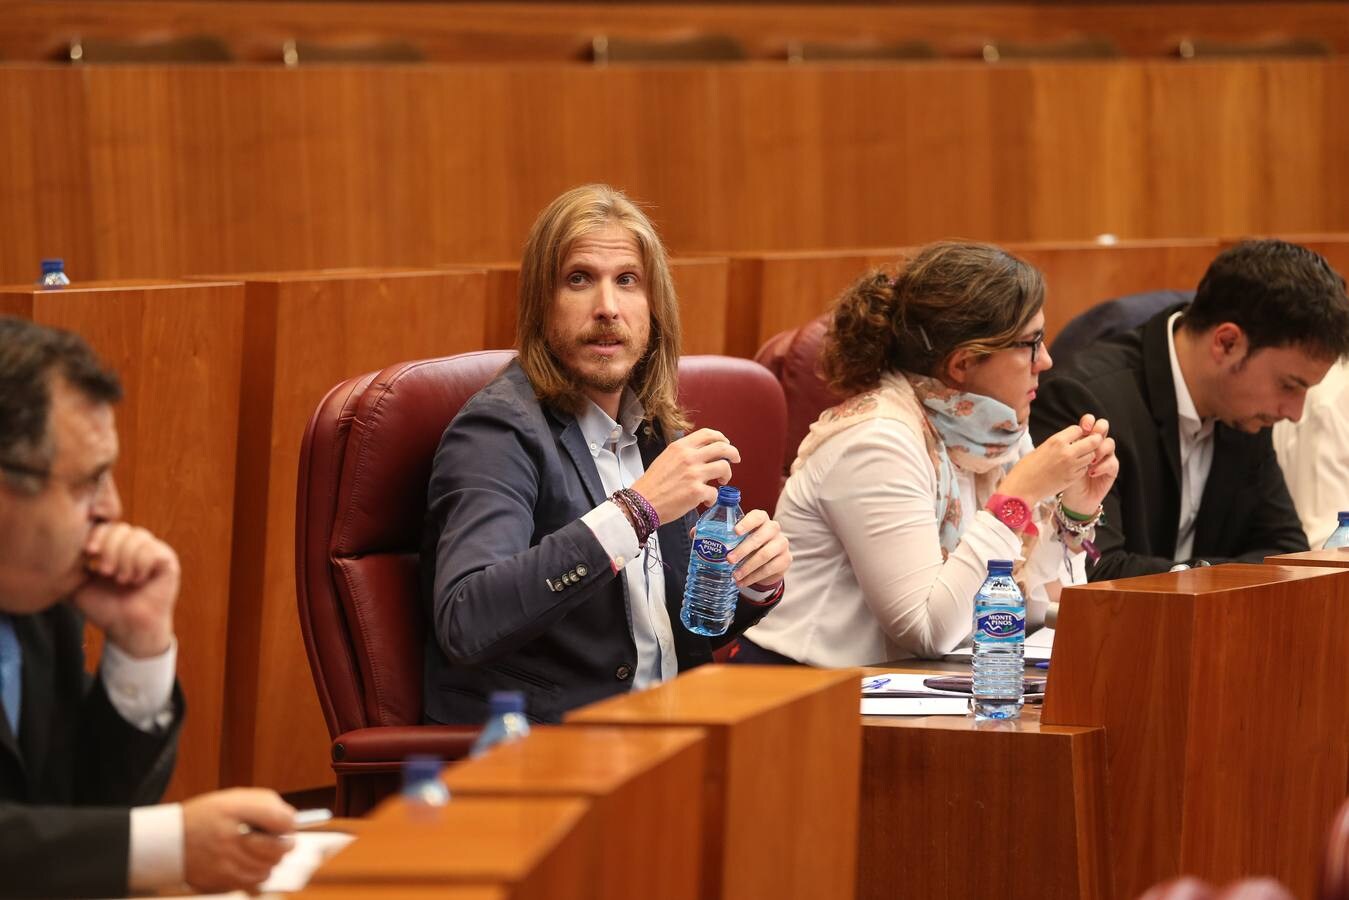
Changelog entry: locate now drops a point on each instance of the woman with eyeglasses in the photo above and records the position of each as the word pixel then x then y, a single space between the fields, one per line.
pixel 902 493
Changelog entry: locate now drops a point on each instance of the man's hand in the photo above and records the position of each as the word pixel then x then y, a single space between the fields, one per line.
pixel 687 473
pixel 132 588
pixel 762 556
pixel 219 855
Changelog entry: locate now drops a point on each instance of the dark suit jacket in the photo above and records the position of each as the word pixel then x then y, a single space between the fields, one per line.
pixel 1245 512
pixel 520 593
pixel 67 784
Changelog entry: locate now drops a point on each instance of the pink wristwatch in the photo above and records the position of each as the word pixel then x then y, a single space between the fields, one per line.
pixel 1012 512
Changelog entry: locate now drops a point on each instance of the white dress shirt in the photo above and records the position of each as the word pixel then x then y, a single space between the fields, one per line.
pixel 619 461
pixel 1314 454
pixel 868 580
pixel 141 690
pixel 1196 451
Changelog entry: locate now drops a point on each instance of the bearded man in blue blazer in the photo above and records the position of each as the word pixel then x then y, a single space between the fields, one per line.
pixel 562 495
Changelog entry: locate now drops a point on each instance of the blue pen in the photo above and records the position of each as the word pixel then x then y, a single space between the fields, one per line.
pixel 875 683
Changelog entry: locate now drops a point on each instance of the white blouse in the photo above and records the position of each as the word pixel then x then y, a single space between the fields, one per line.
pixel 867 582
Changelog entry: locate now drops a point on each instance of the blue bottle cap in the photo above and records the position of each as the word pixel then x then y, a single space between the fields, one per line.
pixel 728 496
pixel 1000 567
pixel 502 702
pixel 53 265
pixel 1344 517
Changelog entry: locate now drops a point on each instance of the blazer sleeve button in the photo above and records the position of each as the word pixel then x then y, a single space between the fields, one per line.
pixel 623 673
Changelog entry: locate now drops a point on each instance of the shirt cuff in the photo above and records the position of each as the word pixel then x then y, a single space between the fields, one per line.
pixel 764 597
pixel 156 857
pixel 141 690
pixel 614 532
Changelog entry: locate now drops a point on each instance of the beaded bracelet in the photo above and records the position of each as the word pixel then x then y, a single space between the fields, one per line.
pixel 640 513
pixel 1075 522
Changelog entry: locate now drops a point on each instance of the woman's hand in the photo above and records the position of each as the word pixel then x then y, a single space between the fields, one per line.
pixel 1085 494
pixel 1059 463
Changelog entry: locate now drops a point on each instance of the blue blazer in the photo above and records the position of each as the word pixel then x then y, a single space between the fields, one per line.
pixel 519 592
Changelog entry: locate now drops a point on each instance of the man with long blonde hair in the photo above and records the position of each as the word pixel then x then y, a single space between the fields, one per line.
pixel 563 494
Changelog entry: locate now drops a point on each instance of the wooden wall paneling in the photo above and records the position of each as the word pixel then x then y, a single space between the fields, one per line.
pixel 1078 276
pixel 935 787
pixel 177 349
pixel 796 287
pixel 250 168
pixel 304 333
pixel 1228 747
pixel 642 785
pixel 703 285
pixel 784 747
pixel 503 291
pixel 491 32
pixel 534 848
pixel 45 187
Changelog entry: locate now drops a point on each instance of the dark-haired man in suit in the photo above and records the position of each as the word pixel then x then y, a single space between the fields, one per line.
pixel 1191 396
pixel 82 759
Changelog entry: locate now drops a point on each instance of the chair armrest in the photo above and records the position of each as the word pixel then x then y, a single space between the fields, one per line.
pixel 391 744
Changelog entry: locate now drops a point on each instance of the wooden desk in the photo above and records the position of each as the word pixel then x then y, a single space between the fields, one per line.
pixel 1331 559
pixel 783 756
pixel 934 787
pixel 532 849
pixel 1222 692
pixel 176 347
pixel 642 786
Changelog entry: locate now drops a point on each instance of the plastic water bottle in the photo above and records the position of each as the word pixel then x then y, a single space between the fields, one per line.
pixel 999 644
pixel 506 721
pixel 710 593
pixel 1340 536
pixel 422 786
pixel 53 274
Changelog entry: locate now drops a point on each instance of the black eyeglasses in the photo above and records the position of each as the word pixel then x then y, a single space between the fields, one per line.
pixel 1035 343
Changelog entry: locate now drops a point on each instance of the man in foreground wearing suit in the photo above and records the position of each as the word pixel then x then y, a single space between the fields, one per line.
pixel 77 753
pixel 561 498
pixel 1191 396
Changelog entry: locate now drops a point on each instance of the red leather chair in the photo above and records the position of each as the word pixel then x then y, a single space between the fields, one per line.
pixel 744 402
pixel 1335 869
pixel 793 357
pixel 364 467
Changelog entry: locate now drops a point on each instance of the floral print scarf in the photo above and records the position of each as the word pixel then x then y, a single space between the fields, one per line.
pixel 976 433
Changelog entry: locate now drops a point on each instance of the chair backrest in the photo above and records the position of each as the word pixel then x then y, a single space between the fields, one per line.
pixel 744 401
pixel 794 358
pixel 1335 868
pixel 1111 317
pixel 364 467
